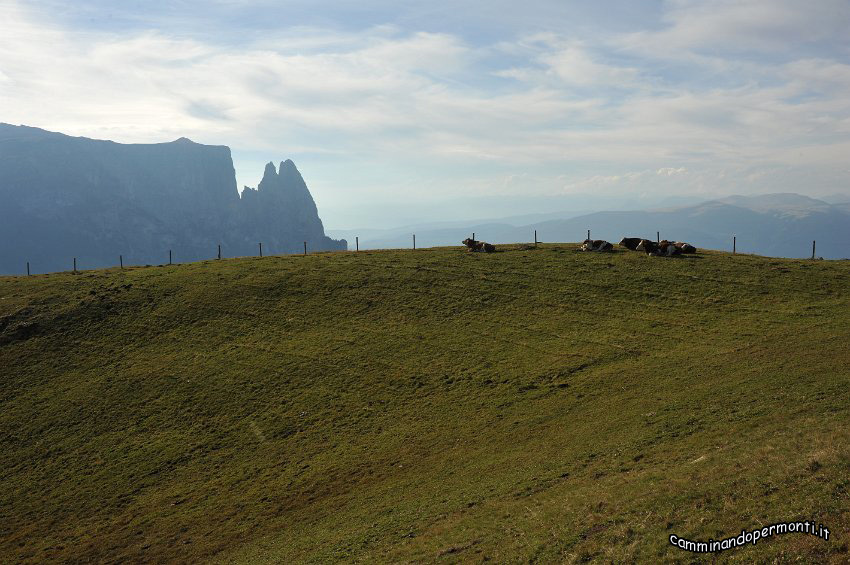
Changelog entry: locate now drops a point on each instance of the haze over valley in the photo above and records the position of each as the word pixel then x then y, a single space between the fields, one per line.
pixel 778 225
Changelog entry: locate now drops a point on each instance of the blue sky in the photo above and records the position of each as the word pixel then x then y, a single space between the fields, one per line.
pixel 397 111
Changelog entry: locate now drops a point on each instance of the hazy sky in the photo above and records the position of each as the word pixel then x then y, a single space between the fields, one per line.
pixel 393 109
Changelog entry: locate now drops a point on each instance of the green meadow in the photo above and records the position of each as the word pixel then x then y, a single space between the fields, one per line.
pixel 532 405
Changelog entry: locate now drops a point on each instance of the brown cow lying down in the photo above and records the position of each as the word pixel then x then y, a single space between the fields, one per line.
pixel 661 249
pixel 596 245
pixel 631 242
pixel 647 246
pixel 667 249
pixel 473 245
pixel 680 245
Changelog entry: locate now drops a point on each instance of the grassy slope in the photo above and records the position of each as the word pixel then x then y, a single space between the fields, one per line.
pixel 432 405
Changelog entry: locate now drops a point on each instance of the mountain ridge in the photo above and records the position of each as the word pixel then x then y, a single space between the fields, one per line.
pixel 98 200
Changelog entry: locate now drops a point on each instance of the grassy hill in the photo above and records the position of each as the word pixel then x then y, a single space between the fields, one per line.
pixel 433 405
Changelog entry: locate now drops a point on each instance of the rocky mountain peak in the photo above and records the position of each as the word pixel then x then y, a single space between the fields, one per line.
pixel 270 171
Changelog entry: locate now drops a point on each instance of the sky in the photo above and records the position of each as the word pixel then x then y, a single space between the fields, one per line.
pixel 398 111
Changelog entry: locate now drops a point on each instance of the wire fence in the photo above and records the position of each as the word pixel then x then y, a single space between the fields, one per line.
pixel 536 241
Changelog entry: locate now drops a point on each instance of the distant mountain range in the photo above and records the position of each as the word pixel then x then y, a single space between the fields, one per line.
pixel 63 197
pixel 779 225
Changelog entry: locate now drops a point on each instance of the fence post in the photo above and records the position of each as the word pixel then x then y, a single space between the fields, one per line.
pixel 261 248
pixel 121 261
pixel 535 238
pixel 28 268
pixel 588 234
pixel 305 248
pixel 813 249
pixel 75 264
pixel 219 251
pixel 169 256
pixel 734 244
pixel 658 237
pixel 414 241
pixel 473 236
pixel 357 243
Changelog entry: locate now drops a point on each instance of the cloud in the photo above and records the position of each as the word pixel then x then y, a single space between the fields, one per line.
pixel 386 109
pixel 670 171
pixel 563 62
pixel 730 26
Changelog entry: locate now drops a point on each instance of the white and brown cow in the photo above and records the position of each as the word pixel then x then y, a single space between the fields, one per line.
pixel 631 242
pixel 480 246
pixel 666 249
pixel 647 246
pixel 596 245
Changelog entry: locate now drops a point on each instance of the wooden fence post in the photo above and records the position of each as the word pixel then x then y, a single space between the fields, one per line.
pixel 28 268
pixel 535 238
pixel 588 234
pixel 734 244
pixel 121 261
pixel 658 237
pixel 305 248
pixel 261 248
pixel 473 236
pixel 414 241
pixel 75 264
pixel 813 249
pixel 357 243
pixel 169 256
pixel 219 251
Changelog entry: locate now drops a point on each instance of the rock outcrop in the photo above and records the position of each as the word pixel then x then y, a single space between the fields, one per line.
pixel 63 197
pixel 282 200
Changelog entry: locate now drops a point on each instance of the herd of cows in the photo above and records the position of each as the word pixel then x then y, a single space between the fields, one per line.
pixel 662 248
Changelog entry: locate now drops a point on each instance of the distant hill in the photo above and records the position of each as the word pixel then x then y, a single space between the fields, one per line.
pixel 785 232
pixel 778 225
pixel 437 406
pixel 776 202
pixel 63 197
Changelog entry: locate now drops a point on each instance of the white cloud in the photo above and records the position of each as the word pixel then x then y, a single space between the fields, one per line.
pixel 560 61
pixel 573 65
pixel 435 112
pixel 741 25
pixel 670 171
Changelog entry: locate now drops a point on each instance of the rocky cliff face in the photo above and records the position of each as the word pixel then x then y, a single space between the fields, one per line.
pixel 282 200
pixel 63 197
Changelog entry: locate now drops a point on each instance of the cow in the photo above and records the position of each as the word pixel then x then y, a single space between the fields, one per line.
pixel 663 248
pixel 596 245
pixel 630 242
pixel 647 246
pixel 666 249
pixel 473 245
